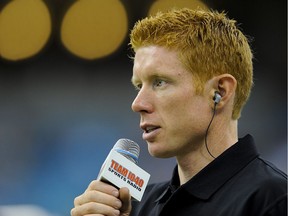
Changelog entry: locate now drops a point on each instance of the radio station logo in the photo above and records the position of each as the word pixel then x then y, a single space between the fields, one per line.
pixel 126 175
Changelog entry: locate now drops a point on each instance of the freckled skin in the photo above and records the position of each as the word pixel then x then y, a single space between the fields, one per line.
pixel 167 99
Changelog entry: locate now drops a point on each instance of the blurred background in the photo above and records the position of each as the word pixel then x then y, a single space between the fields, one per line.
pixel 65 93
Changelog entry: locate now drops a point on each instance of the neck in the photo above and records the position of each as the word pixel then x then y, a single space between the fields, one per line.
pixel 190 165
pixel 222 138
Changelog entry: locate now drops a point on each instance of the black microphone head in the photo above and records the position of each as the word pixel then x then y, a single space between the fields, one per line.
pixel 128 149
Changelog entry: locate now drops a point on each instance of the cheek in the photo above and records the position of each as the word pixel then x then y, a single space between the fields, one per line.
pixel 189 116
pixel 181 106
pixel 177 113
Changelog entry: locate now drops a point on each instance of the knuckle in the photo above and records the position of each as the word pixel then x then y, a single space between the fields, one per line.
pixel 93 184
pixel 92 195
pixel 73 212
pixel 92 208
pixel 77 200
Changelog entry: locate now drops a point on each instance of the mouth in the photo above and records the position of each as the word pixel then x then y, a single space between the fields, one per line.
pixel 150 131
pixel 148 128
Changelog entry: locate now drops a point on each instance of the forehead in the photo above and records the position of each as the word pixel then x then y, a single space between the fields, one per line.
pixel 155 54
pixel 155 59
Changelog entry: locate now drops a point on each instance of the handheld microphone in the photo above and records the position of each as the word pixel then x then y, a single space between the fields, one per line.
pixel 120 169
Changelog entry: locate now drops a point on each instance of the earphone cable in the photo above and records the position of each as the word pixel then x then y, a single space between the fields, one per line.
pixel 206 134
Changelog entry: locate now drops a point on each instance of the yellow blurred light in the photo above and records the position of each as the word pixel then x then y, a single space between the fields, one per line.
pixel 164 5
pixel 25 27
pixel 93 29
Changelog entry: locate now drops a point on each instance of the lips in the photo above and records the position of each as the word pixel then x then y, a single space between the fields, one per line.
pixel 150 131
pixel 147 128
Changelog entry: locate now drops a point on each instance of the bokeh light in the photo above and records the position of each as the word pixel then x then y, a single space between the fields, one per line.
pixel 163 5
pixel 94 29
pixel 25 27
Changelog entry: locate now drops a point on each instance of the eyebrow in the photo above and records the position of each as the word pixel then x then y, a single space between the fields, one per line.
pixel 134 79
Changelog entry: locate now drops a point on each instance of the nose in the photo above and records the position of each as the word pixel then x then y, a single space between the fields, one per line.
pixel 142 102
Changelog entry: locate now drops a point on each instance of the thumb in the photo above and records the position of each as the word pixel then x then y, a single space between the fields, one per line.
pixel 125 197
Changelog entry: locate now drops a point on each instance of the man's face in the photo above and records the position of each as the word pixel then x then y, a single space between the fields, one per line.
pixel 173 118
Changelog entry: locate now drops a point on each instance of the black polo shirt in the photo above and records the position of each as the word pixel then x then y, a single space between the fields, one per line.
pixel 237 183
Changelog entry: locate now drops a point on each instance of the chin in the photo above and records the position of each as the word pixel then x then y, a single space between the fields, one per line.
pixel 158 153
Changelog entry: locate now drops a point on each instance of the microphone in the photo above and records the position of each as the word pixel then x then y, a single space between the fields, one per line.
pixel 120 169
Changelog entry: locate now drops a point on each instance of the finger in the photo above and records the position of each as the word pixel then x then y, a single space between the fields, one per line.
pixel 103 187
pixel 125 197
pixel 94 209
pixel 98 197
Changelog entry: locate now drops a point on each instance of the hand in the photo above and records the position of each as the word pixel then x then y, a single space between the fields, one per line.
pixel 102 199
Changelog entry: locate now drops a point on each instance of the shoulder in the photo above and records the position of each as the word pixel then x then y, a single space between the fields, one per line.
pixel 268 188
pixel 272 182
pixel 263 178
pixel 269 174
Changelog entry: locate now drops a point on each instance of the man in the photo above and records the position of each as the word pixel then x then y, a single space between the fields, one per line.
pixel 193 73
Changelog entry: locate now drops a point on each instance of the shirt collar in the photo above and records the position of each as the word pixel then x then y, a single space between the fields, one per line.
pixel 205 183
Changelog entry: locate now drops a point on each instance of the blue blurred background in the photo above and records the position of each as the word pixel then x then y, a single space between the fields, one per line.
pixel 60 114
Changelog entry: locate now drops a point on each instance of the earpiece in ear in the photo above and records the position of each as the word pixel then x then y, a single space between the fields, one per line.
pixel 217 97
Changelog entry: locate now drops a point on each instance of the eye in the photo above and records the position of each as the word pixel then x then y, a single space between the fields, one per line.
pixel 159 83
pixel 138 86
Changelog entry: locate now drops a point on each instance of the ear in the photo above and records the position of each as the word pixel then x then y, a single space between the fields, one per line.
pixel 225 85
